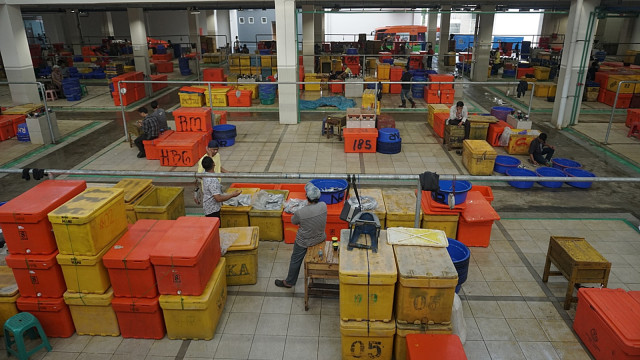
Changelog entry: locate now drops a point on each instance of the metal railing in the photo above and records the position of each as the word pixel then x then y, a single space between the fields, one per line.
pixel 42 89
pixel 613 109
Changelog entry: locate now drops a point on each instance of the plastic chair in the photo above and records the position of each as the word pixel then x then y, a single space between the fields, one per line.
pixel 18 325
pixel 51 95
pixel 83 90
pixel 634 130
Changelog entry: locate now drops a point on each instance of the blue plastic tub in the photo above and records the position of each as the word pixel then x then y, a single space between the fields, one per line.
pixel 446 187
pixel 521 172
pixel 389 148
pixel 501 112
pixel 224 131
pixel 504 163
pixel 352 51
pixel 573 172
pixel 550 172
pixel 226 142
pixel 332 190
pixel 389 135
pixel 562 164
pixel 459 254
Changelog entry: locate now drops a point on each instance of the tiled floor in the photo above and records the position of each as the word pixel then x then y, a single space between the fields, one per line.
pixel 509 313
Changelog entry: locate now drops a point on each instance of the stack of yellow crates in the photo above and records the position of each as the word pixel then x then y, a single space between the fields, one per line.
pixel 541 72
pixel 269 221
pixel 134 190
pixel 401 207
pixel 234 216
pixel 242 255
pixel 427 280
pixel 161 203
pixel 436 108
pixel 367 286
pixel 85 228
pixel 369 100
pixel 478 156
pixel 250 86
pixel 265 60
pixel 313 78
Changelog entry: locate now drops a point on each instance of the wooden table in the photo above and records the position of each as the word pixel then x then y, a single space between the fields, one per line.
pixel 320 267
pixel 578 262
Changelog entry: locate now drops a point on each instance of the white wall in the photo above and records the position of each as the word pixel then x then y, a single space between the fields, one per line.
pixel 516 24
pixel 355 23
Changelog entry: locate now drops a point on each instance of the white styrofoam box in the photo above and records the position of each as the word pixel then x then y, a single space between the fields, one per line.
pixel 369 124
pixel 353 123
pixel 39 129
pixel 519 124
pixel 351 89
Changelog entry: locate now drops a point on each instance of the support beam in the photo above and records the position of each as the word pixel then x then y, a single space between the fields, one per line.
pixel 16 57
pixel 482 48
pixel 72 32
pixel 287 45
pixel 308 38
pixel 445 22
pixel 108 25
pixel 139 43
pixel 318 25
pixel 224 26
pixel 212 24
pixel 432 27
pixel 577 48
pixel 193 32
pixel 635 37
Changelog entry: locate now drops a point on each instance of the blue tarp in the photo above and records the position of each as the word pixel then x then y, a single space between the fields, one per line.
pixel 340 102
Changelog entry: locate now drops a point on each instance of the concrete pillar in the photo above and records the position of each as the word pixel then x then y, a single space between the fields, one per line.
pixel 625 34
pixel 139 43
pixel 482 48
pixel 202 21
pixel 635 37
pixel 286 27
pixel 193 32
pixel 108 25
pixel 566 107
pixel 72 32
pixel 308 38
pixel 16 56
pixel 318 26
pixel 224 26
pixel 432 27
pixel 445 22
pixel 212 24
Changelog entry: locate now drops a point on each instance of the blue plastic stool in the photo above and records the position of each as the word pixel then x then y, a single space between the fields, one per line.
pixel 18 325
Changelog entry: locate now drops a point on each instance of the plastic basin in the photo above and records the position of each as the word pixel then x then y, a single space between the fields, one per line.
pixel 504 163
pixel 459 254
pixel 550 172
pixel 572 172
pixel 521 172
pixel 224 131
pixel 560 163
pixel 447 186
pixel 388 135
pixel 332 190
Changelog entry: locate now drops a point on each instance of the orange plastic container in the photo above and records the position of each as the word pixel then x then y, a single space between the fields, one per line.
pixel 357 140
pixel 37 275
pixel 186 255
pixel 608 323
pixel 255 185
pixel 289 229
pixel 53 314
pixel 213 74
pixel 139 318
pixel 193 119
pixel 432 96
pixel 439 120
pixel 292 187
pixel 15 121
pixel 474 227
pixel 485 191
pixel 128 261
pixel 334 224
pixel 151 146
pixel 632 116
pixel 440 77
pixel 239 98
pixel 524 71
pixel 164 66
pixel 6 130
pixel 446 96
pixel 436 346
pixel 24 221
pixel 395 88
pixel 495 131
pixel 181 149
pixel 337 86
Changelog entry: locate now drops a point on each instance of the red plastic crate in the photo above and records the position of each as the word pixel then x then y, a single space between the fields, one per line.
pixel 524 71
pixel 485 191
pixel 139 318
pixel 192 119
pixel 128 261
pixel 158 86
pixel 355 68
pixel 357 140
pixel 395 88
pixel 15 121
pixel 632 115
pixel 243 100
pixel 439 122
pixel 6 130
pixel 434 347
pixel 440 77
pixel 608 323
pixel 181 149
pixel 337 86
pixel 395 74
pixel 127 99
pixel 446 96
pixel 161 57
pixel 213 74
pixel 139 93
pixel 151 146
pixel 186 255
pixel 24 220
pixel 474 226
pixel 52 313
pixel 602 78
pixel 37 275
pixel 334 224
pixel 601 94
pixel 624 100
pixel 164 66
pixel 495 131
pixel 432 96
pixel 385 121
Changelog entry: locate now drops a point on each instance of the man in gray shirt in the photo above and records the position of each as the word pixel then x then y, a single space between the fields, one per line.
pixel 160 115
pixel 312 220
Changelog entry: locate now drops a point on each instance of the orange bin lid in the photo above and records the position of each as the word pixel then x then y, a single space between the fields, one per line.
pixel 432 346
pixel 478 209
pixel 34 204
pixel 182 138
pixel 182 245
pixel 41 304
pixel 192 89
pixel 619 311
pixel 127 304
pixel 360 131
pixel 429 206
pixel 132 250
pixel 32 261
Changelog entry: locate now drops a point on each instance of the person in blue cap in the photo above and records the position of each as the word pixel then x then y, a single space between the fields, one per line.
pixel 212 152
pixel 312 220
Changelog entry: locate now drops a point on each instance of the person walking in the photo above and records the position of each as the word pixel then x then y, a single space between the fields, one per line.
pixel 312 220
pixel 405 93
pixel 149 130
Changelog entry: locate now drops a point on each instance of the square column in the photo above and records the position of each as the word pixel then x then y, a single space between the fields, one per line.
pixel 308 38
pixel 108 24
pixel 16 56
pixel 445 23
pixel 224 25
pixel 432 27
pixel 71 27
pixel 318 25
pixel 482 48
pixel 287 46
pixel 139 43
pixel 212 24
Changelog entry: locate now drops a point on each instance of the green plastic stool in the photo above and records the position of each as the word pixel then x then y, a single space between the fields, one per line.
pixel 18 325
pixel 83 90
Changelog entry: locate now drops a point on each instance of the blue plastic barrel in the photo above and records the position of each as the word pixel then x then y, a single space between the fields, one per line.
pixel 550 172
pixel 332 190
pixel 224 132
pixel 389 147
pixel 226 142
pixel 504 163
pixel 501 112
pixel 389 135
pixel 460 255
pixel 562 164
pixel 447 186
pixel 520 172
pixel 573 172
pixel 352 51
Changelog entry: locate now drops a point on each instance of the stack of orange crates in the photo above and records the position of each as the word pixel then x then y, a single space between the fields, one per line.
pixel 439 122
pixel 188 143
pixel 33 249
pixel 214 74
pixel 134 92
pixel 163 66
pixel 157 87
pixel 151 146
pixel 161 57
pixel 14 120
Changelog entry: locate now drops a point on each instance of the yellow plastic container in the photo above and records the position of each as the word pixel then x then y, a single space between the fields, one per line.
pixel 196 317
pixel 236 216
pixel 269 221
pixel 92 314
pixel 380 210
pixel 552 90
pixel 401 207
pixel 402 330
pixel 519 144
pixel 234 69
pixel 626 88
pixel 218 96
pixel 242 256
pixel 274 61
pixel 541 72
pixel 541 90
pixel 245 60
pixel 478 156
pixel 426 284
pixel 253 87
pixel 85 224
pixel 446 223
pixel 265 60
pixel 478 130
pixel 191 100
pixel 8 295
pixel 234 60
pixel 436 108
pixel 313 78
pixel 369 100
pixel 367 280
pixel 384 70
pixel 134 190
pixel 85 274
pixel 161 203
pixel 367 339
pixel 336 65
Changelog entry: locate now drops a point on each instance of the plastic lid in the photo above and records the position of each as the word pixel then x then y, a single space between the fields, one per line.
pixel 182 138
pixel 199 302
pixel 34 204
pixel 80 260
pixel 127 304
pixel 360 131
pixel 368 328
pixel 40 304
pixel 36 262
pixel 246 238
pixel 84 207
pixel 439 346
pixel 133 188
pixel 133 249
pixel 8 286
pixel 184 242
pixel 479 147
pixel 401 202
pixel 73 298
pixel 418 266
pixel 478 209
pixel 362 266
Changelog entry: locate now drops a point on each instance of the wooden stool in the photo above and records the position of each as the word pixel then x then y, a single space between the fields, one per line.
pixel 578 262
pixel 332 121
pixel 51 95
pixel 320 267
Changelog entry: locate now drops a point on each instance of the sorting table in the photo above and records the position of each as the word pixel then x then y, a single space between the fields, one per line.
pixel 577 261
pixel 317 267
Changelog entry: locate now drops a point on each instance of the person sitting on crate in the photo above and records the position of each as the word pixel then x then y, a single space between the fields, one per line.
pixel 458 115
pixel 538 149
pixel 405 93
pixel 312 220
pixel 212 196
pixel 160 115
pixel 149 130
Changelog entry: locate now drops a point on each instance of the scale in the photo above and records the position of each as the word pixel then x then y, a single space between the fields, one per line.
pixel 364 223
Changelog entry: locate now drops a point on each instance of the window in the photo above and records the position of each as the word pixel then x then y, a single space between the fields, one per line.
pixel 263 20
pixel 250 18
pixel 241 20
